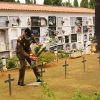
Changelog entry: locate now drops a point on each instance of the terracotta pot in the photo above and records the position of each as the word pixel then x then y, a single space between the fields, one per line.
pixel 93 48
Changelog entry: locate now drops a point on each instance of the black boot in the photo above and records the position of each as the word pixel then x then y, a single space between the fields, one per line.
pixel 21 84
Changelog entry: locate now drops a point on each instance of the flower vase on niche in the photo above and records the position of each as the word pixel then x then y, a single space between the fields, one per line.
pixel 29 22
pixel 7 22
pixel 18 21
pixel 62 22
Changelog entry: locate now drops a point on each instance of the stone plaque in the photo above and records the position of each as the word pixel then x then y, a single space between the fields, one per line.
pixel 73 37
pixel 85 37
pixel 2 36
pixel 85 29
pixel 3 21
pixel 36 31
pixel 84 20
pixel 59 29
pixel 66 22
pixel 72 21
pixel 74 46
pixel 59 21
pixel 13 44
pixel 43 21
pixel 52 20
pixel 12 20
pixel 66 39
pixel 51 31
pixel 44 31
pixel 35 21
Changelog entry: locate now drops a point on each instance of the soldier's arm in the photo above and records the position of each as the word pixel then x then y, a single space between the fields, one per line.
pixel 20 49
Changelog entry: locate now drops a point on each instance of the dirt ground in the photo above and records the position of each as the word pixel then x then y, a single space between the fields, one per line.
pixel 64 88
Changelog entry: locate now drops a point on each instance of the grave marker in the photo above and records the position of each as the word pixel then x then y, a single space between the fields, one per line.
pixel 9 81
pixel 42 71
pixel 1 67
pixel 99 58
pixel 84 63
pixel 65 68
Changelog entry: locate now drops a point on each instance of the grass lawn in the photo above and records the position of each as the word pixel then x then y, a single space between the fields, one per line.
pixel 87 82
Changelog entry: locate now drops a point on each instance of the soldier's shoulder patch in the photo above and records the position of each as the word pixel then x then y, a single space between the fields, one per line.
pixel 18 44
pixel 19 38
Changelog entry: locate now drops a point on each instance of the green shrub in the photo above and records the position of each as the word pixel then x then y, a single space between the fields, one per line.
pixel 47 56
pixel 12 62
pixel 78 95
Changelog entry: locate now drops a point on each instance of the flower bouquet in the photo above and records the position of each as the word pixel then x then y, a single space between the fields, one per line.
pixel 37 49
pixel 18 20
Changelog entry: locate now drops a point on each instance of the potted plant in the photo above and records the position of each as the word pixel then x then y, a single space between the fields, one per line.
pixel 74 53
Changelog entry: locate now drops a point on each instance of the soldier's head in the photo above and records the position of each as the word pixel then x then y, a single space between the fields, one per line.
pixel 28 33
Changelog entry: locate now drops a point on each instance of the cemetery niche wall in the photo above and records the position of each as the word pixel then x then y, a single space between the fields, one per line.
pixel 67 30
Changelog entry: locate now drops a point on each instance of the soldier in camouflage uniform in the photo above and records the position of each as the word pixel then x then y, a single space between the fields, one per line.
pixel 23 51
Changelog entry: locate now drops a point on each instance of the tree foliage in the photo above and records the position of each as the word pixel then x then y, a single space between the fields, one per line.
pixel 18 1
pixel 7 0
pixel 92 4
pixel 75 3
pixel 57 2
pixel 27 1
pixel 48 2
pixel 84 4
pixel 67 4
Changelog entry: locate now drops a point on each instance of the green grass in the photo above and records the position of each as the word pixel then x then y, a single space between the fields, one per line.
pixel 87 82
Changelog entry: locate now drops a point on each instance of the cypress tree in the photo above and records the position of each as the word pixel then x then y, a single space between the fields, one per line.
pixel 27 1
pixel 12 0
pixel 48 2
pixel 84 4
pixel 66 4
pixel 75 3
pixel 57 2
pixel 34 1
pixel 92 4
